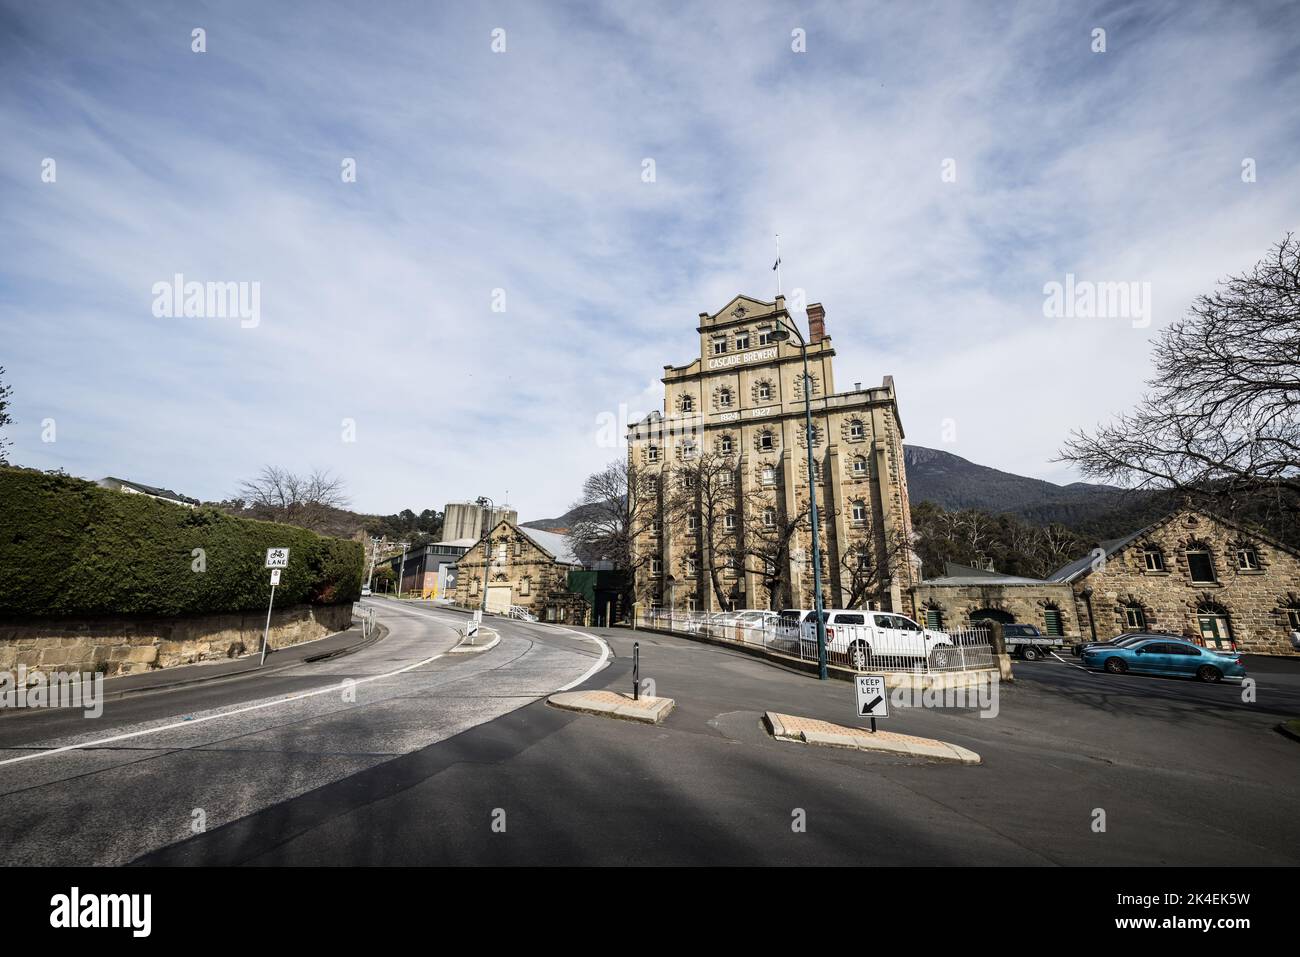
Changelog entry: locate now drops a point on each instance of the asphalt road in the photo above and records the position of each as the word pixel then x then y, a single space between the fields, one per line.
pixel 154 768
pixel 1184 774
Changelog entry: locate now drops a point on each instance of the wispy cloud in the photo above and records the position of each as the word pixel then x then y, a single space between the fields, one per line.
pixel 522 171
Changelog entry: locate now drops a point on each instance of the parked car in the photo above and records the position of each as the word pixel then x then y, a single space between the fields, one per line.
pixel 1121 641
pixel 855 636
pixel 1027 642
pixel 755 626
pixel 365 591
pixel 1165 655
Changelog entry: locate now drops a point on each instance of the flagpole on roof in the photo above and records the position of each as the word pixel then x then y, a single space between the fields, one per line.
pixel 777 265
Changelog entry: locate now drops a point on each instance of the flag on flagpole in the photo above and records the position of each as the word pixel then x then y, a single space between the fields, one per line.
pixel 776 264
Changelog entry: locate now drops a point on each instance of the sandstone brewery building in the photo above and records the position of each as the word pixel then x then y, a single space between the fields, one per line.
pixel 721 475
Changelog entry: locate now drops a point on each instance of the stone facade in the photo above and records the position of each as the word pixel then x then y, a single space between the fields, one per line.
pixel 959 605
pixel 127 646
pixel 527 568
pixel 1191 574
pixel 743 399
pixel 1253 598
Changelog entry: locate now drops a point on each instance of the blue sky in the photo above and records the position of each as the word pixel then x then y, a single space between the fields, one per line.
pixel 522 171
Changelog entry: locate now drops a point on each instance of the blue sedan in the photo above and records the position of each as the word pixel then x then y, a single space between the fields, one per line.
pixel 1165 656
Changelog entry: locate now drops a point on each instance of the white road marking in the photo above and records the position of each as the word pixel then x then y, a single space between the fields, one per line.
pixel 605 651
pixel 224 714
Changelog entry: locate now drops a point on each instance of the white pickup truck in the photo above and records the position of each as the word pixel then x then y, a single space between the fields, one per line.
pixel 854 637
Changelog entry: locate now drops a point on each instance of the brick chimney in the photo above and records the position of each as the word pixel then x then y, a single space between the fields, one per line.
pixel 816 323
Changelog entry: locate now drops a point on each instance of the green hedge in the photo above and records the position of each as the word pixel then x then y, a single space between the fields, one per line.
pixel 70 548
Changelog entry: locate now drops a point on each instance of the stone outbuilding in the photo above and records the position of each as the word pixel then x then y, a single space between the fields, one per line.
pixel 527 567
pixel 1191 573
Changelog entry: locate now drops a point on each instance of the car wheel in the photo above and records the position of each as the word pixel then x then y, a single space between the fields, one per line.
pixel 1209 673
pixel 1116 666
pixel 861 655
pixel 940 657
pixel 1029 653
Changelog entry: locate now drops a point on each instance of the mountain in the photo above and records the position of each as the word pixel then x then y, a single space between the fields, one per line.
pixel 561 524
pixel 955 483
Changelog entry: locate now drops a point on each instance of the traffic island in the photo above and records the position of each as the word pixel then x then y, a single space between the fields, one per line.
pixel 470 646
pixel 788 727
pixel 612 704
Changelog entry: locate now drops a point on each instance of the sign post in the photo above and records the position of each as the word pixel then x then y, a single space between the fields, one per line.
pixel 873 701
pixel 276 559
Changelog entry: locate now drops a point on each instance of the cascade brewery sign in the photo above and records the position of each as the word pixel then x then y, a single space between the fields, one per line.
pixel 743 358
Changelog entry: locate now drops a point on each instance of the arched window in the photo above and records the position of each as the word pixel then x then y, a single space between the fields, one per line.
pixel 859 466
pixel 1200 563
pixel 729 521
pixel 724 444
pixel 1135 619
pixel 764 391
pixel 652 453
pixel 688 403
pixel 859 511
pixel 765 440
pixel 769 475
pixel 855 429
pixel 724 399
pixel 769 518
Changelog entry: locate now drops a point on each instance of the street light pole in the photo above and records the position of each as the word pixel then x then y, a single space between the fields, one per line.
pixel 781 335
pixel 485 502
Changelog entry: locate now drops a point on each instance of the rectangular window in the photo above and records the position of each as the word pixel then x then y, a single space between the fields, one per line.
pixel 1155 561
pixel 1201 566
pixel 765 337
pixel 1052 621
pixel 933 619
pixel 1134 619
pixel 1293 618
pixel 1247 560
pixel 656 566
pixel 742 340
pixel 719 346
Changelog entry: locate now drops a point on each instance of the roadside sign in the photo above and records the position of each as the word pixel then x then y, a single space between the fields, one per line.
pixel 873 702
pixel 275 576
pixel 277 558
pixel 471 628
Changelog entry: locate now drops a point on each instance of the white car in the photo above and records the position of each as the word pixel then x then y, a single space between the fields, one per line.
pixel 365 591
pixel 855 636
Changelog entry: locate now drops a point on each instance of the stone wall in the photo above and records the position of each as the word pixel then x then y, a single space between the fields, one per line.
pixel 1026 604
pixel 127 646
pixel 1254 601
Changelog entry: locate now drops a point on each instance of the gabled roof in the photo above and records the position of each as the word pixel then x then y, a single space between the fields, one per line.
pixel 1081 566
pixel 557 546
pixel 954 574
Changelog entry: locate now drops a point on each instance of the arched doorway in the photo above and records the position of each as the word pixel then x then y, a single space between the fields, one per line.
pixel 992 614
pixel 1215 626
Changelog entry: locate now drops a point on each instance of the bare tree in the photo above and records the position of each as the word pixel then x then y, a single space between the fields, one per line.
pixel 869 565
pixel 768 541
pixel 618 504
pixel 5 417
pixel 279 495
pixel 1220 416
pixel 706 485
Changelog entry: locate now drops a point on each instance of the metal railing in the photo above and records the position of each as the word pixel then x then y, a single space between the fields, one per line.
pixel 855 648
pixel 368 625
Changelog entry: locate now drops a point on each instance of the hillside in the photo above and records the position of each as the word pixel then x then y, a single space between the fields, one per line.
pixel 956 483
